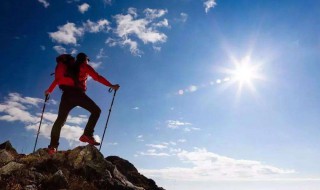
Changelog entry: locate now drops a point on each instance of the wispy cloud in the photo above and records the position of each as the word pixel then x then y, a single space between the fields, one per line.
pixel 17 108
pixel 95 65
pixel 69 33
pixel 157 146
pixel 130 27
pixel 209 4
pixel 44 3
pixel 107 2
pixel 152 152
pixel 140 138
pixel 95 27
pixel 175 124
pixel 161 149
pixel 60 49
pixel 101 54
pixel 208 166
pixel 83 8
pixel 183 17
pixel 189 129
pixel 130 30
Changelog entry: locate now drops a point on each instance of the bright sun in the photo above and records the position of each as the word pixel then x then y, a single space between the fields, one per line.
pixel 244 73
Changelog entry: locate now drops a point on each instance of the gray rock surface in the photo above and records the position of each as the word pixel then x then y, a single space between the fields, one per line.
pixel 81 168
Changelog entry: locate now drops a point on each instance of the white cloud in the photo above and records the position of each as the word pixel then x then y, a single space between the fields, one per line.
pixel 157 146
pixel 95 65
pixel 101 54
pixel 84 7
pixel 184 17
pixel 73 51
pixel 209 4
pixel 77 119
pixel 68 132
pixel 130 30
pixel 140 138
pixel 15 108
pixel 113 144
pixel 136 108
pixel 44 3
pixel 95 27
pixel 133 45
pixel 67 34
pixel 107 2
pixel 156 48
pixel 208 166
pixel 19 108
pixel 161 149
pixel 164 23
pixel 133 11
pixel 60 49
pixel 130 27
pixel 152 152
pixel 175 124
pixel 16 97
pixel 154 13
pixel 189 129
pixel 16 114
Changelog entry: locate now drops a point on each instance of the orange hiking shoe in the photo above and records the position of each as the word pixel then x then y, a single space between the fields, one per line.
pixel 89 139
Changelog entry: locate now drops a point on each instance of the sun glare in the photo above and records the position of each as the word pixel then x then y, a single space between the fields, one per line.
pixel 244 73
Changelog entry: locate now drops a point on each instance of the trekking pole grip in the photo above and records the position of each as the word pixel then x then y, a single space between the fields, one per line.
pixel 47 97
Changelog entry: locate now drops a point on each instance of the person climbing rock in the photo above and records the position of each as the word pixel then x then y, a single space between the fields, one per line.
pixel 71 75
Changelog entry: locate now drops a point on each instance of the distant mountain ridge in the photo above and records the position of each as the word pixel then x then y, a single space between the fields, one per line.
pixel 83 167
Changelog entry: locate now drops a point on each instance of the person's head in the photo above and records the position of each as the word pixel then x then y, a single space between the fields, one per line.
pixel 82 57
pixel 65 58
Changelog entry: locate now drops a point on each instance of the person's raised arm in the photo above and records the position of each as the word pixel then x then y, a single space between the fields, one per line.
pixel 95 76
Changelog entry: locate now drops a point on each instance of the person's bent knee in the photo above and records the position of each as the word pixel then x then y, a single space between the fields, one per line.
pixel 97 111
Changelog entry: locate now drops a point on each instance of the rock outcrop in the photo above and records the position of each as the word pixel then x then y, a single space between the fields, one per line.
pixel 81 168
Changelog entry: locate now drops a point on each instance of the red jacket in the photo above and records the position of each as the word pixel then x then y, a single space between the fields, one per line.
pixel 85 71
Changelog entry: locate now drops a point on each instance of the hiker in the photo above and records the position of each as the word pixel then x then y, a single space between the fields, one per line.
pixel 71 76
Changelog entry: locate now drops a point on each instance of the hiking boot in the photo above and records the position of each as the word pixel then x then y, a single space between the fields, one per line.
pixel 89 139
pixel 52 151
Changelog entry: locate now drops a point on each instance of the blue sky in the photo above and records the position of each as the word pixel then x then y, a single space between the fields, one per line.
pixel 215 94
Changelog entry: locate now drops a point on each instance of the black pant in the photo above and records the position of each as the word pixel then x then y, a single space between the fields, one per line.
pixel 70 99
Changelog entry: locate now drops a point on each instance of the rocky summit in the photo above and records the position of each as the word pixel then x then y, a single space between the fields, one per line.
pixel 81 168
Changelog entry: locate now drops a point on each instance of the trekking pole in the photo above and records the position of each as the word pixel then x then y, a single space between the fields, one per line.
pixel 44 106
pixel 114 94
